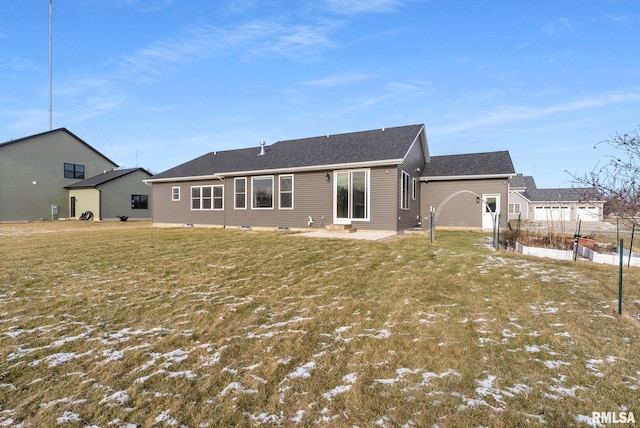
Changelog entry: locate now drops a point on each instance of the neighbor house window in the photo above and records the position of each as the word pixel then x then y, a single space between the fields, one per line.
pixel 404 203
pixel 286 192
pixel 140 202
pixel 207 197
pixel 514 208
pixel 72 170
pixel 240 189
pixel 175 193
pixel 262 192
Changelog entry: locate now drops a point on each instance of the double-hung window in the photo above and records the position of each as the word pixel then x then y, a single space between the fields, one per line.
pixel 404 202
pixel 175 194
pixel 240 190
pixel 414 191
pixel 286 192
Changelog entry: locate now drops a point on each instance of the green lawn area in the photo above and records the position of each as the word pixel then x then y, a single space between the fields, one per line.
pixel 110 324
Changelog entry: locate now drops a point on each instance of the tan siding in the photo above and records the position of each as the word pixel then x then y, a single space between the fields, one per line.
pixel 86 200
pixel 41 159
pixel 462 210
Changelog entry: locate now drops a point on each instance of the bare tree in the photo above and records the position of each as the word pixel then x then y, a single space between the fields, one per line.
pixel 618 180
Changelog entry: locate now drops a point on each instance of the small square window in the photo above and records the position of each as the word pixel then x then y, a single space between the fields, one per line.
pixel 75 171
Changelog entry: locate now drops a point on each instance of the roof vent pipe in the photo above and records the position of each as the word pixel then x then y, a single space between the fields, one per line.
pixel 262 143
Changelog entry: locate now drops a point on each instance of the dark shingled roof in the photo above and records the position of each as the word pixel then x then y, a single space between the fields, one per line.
pixel 561 194
pixel 471 164
pixel 99 179
pixel 386 144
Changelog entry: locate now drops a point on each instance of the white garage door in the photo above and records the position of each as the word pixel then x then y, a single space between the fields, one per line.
pixel 552 213
pixel 589 213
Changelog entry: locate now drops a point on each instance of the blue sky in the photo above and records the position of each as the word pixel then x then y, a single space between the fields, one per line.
pixel 155 83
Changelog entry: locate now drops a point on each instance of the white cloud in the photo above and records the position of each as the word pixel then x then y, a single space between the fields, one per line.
pixel 339 79
pixel 353 7
pixel 146 5
pixel 257 38
pixel 557 26
pixel 521 113
pixel 622 19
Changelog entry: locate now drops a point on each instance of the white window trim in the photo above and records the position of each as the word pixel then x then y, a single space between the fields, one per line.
pixel 414 189
pixel 235 193
pixel 272 192
pixel 175 198
pixel 404 191
pixel 280 177
pixel 367 172
pixel 213 198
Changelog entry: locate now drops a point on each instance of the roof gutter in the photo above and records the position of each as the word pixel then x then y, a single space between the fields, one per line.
pixel 465 177
pixel 217 176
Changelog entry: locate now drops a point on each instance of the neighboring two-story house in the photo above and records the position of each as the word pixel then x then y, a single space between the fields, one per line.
pixel 56 175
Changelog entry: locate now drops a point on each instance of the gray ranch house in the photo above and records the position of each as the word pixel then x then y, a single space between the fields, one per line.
pixel 379 179
pixel 527 202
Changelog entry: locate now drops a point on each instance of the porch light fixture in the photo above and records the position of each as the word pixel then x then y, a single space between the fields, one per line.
pixel 477 199
pixel 327 177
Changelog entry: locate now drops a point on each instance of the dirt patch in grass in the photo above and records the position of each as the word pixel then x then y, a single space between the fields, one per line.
pixel 203 327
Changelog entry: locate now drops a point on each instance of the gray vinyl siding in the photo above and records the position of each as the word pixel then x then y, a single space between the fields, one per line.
pixel 313 197
pixel 462 210
pixel 41 159
pixel 384 200
pixel 413 164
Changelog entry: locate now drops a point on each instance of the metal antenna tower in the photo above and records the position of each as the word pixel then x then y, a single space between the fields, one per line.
pixel 50 65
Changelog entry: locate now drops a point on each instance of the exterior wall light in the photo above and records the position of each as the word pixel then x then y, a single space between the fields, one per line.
pixel 327 177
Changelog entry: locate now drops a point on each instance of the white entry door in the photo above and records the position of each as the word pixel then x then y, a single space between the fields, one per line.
pixel 490 208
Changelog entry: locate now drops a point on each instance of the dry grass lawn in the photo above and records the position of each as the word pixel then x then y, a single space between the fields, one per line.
pixel 122 325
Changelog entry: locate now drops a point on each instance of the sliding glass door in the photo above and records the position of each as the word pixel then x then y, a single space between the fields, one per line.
pixel 351 190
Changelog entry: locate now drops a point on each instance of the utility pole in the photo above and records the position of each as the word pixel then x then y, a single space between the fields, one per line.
pixel 50 65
